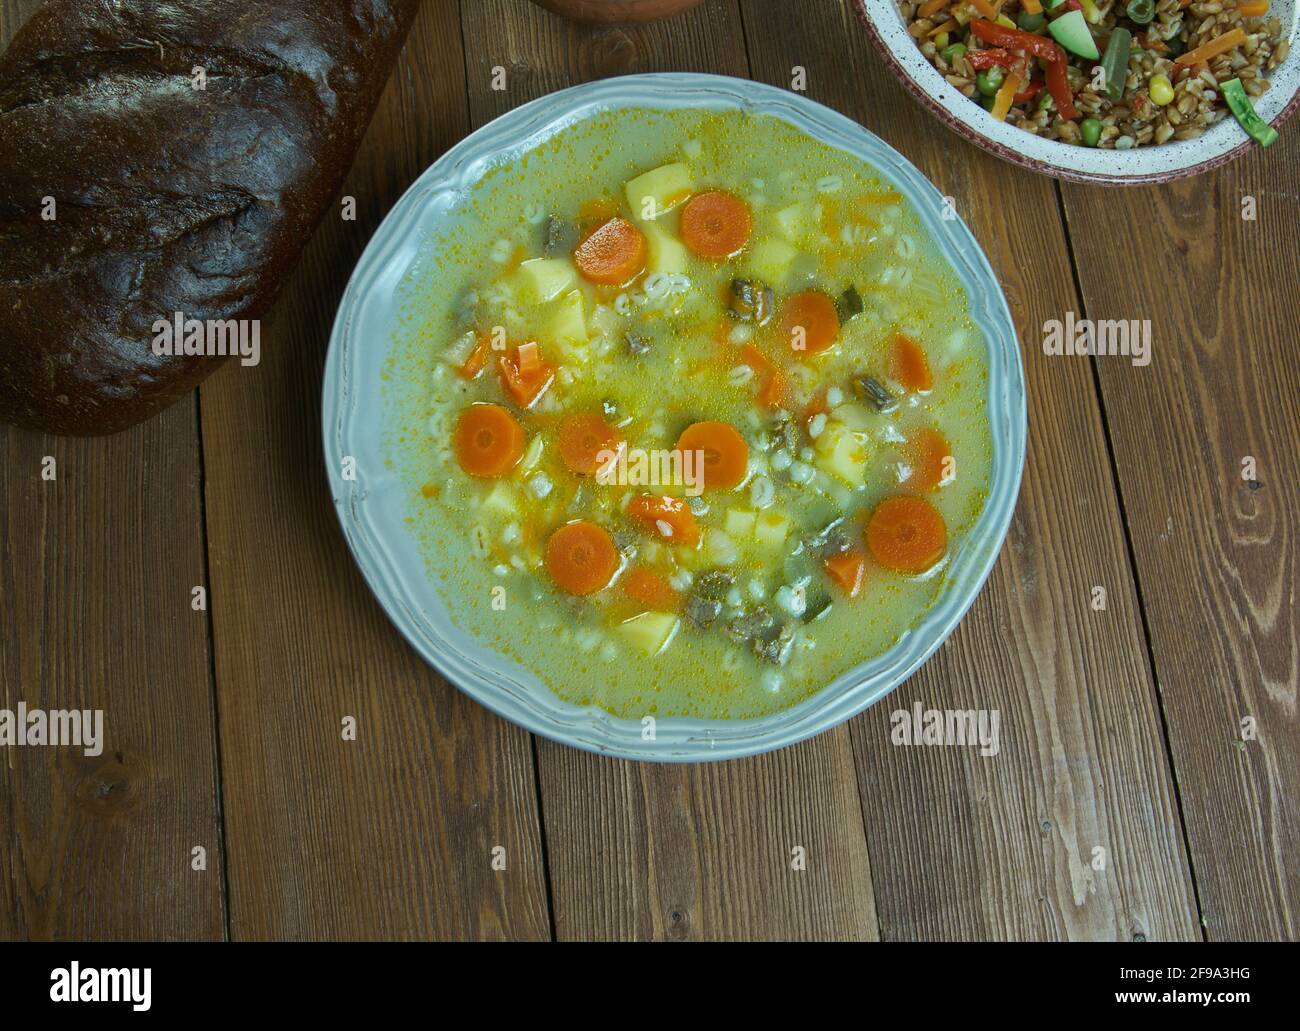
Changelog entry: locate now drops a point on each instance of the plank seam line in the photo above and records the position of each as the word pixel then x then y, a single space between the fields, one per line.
pixel 212 674
pixel 532 738
pixel 1118 488
pixel 845 727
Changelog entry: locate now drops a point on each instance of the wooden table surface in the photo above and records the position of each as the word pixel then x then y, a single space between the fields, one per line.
pixel 1125 802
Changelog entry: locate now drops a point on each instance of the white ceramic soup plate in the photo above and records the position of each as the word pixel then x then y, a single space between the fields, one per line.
pixel 373 506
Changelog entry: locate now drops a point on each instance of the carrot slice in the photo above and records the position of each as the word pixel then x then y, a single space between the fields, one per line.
pixel 911 367
pixel 488 441
pixel 651 590
pixel 932 7
pixel 715 224
pixel 906 534
pixel 985 8
pixel 721 449
pixel 581 558
pixel 1253 8
pixel 1208 51
pixel 849 570
pixel 1031 6
pixel 584 438
pixel 668 517
pixel 928 457
pixel 773 389
pixel 526 387
pixel 1006 96
pixel 477 358
pixel 613 255
pixel 809 321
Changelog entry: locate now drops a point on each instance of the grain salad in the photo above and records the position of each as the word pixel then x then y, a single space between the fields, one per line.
pixel 1113 74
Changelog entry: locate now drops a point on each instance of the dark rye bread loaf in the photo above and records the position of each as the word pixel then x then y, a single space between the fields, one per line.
pixel 167 198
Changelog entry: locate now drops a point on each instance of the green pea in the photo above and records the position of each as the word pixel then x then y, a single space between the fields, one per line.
pixel 1090 130
pixel 988 81
pixel 952 51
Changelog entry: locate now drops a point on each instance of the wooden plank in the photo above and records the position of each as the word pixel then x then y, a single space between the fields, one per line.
pixel 1216 553
pixel 971 847
pixel 389 836
pixel 96 570
pixel 640 851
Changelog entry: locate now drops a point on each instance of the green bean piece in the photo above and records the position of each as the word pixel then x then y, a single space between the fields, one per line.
pixel 1115 62
pixel 1141 11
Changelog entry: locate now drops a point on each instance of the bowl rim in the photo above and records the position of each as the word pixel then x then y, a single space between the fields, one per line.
pixel 966 128
pixel 415 606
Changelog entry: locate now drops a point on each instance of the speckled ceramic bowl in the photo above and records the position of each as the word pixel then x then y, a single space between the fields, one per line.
pixel 372 506
pixel 1150 164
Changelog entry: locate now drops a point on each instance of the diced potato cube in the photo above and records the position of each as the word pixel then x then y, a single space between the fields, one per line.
pixel 855 417
pixel 843 453
pixel 796 221
pixel 664 252
pixel 501 500
pixel 659 190
pixel 544 279
pixel 568 319
pixel 770 260
pixel 771 529
pixel 739 523
pixel 649 631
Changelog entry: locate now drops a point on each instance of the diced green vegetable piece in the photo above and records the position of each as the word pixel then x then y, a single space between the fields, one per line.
pixel 1115 63
pixel 1090 130
pixel 988 81
pixel 659 190
pixel 1072 32
pixel 649 631
pixel 568 319
pixel 952 51
pixel 1030 22
pixel 1052 5
pixel 1238 101
pixel 770 260
pixel 664 252
pixel 543 279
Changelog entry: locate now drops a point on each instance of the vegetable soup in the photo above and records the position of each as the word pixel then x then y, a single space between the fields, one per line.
pixel 690 413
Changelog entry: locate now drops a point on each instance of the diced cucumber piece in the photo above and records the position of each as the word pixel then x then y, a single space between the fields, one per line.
pixel 649 631
pixel 770 530
pixel 1072 32
pixel 739 523
pixel 770 260
pixel 568 320
pixel 659 190
pixel 544 279
pixel 664 252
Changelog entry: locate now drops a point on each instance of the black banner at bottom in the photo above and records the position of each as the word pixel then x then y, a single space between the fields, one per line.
pixel 142 981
